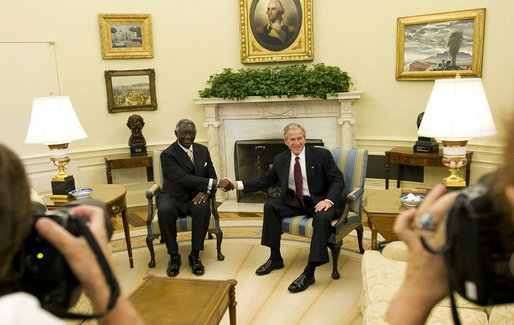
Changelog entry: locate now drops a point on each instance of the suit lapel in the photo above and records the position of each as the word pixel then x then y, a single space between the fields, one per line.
pixel 283 170
pixel 196 157
pixel 184 158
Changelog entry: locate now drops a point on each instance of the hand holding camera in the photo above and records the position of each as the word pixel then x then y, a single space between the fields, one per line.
pixel 77 253
pixel 67 247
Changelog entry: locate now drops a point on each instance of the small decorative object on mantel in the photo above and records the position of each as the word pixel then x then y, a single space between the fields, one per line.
pixel 137 141
pixel 425 144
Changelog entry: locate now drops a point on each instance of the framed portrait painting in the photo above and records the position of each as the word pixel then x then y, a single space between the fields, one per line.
pixel 126 36
pixel 130 90
pixel 442 45
pixel 276 30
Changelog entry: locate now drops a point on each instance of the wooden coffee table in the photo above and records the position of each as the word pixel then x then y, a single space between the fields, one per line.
pixel 164 300
pixel 382 207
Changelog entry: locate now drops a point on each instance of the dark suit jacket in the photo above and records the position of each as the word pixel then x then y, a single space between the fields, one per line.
pixel 181 179
pixel 324 179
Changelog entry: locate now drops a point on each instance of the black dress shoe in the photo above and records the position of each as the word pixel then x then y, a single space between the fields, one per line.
pixel 301 283
pixel 269 266
pixel 174 265
pixel 196 265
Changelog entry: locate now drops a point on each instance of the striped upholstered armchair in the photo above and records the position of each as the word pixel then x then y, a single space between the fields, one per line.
pixel 183 224
pixel 352 162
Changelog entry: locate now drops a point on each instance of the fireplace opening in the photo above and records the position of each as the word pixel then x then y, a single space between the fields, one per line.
pixel 253 158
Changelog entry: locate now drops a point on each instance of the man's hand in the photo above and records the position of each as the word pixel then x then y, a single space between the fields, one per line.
pixel 200 198
pixel 225 185
pixel 228 187
pixel 323 205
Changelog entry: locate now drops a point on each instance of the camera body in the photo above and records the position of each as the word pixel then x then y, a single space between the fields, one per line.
pixel 44 271
pixel 481 241
pixel 46 274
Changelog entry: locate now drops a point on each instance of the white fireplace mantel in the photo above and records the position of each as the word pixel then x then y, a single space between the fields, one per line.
pixel 332 120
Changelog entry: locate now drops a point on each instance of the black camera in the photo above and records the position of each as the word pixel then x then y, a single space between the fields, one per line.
pixel 44 271
pixel 46 275
pixel 480 245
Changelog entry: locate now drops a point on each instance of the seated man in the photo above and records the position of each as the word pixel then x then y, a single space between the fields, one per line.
pixel 311 184
pixel 188 174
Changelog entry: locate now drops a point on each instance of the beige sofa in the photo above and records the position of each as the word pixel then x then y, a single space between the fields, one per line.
pixel 382 275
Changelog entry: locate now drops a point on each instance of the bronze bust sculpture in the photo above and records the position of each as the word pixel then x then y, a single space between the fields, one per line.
pixel 136 141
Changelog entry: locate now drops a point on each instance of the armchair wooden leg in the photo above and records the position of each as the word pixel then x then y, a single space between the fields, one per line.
pixel 149 243
pixel 219 238
pixel 335 248
pixel 360 232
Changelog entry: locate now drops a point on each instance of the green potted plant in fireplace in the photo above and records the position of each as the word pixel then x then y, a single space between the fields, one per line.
pixel 315 81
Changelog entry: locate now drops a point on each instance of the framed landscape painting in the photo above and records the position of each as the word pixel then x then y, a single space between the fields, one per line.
pixel 130 90
pixel 443 45
pixel 126 36
pixel 276 30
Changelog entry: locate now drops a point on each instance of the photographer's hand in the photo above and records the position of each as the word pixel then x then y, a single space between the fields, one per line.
pixel 82 262
pixel 426 280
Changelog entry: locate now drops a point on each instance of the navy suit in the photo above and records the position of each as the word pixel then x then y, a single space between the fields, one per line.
pixel 182 181
pixel 325 181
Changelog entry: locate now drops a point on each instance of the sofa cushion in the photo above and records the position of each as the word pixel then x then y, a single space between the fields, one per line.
pixel 502 314
pixel 375 313
pixel 381 279
pixel 396 250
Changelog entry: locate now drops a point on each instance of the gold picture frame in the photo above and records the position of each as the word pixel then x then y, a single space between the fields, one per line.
pixel 437 46
pixel 293 41
pixel 126 36
pixel 130 90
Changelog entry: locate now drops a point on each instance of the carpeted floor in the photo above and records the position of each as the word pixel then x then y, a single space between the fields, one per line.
pixel 261 299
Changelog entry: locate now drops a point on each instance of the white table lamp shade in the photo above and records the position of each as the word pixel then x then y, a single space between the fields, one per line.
pixel 53 121
pixel 457 110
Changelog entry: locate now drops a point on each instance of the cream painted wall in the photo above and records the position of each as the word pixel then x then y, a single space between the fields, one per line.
pixel 196 38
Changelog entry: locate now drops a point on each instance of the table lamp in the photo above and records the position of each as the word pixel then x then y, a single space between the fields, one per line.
pixel 54 123
pixel 457 111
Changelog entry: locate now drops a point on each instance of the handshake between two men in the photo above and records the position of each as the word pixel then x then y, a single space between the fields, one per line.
pixel 224 184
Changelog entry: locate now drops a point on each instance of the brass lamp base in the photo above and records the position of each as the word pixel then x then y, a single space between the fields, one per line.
pixel 63 183
pixel 454 157
pixel 61 186
pixel 454 181
pixel 62 198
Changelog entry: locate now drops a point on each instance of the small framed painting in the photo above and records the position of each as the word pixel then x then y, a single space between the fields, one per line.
pixel 126 36
pixel 130 90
